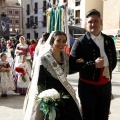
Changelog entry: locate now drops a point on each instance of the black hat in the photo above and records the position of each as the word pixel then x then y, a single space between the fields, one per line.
pixel 93 12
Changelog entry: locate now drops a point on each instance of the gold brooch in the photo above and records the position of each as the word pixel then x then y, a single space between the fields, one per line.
pixel 54 64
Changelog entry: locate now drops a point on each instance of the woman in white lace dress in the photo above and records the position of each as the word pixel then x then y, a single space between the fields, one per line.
pixel 22 75
pixel 22 49
pixel 6 76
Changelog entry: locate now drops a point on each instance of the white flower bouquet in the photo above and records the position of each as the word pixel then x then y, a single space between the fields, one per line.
pixel 48 100
pixel 49 95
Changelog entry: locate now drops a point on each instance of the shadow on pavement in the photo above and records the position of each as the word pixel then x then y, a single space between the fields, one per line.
pixel 12 101
pixel 116 96
pixel 116 84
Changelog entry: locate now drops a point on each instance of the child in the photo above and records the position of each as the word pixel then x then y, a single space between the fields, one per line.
pixel 22 76
pixel 6 76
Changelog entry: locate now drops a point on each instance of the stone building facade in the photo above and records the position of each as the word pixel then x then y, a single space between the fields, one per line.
pixel 13 11
pixel 111 17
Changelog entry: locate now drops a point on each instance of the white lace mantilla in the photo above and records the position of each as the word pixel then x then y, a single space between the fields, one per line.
pixel 65 66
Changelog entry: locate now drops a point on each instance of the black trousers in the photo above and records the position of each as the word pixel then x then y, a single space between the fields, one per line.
pixel 95 100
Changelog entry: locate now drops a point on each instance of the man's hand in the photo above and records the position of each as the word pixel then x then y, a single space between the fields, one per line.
pixel 99 62
pixel 80 60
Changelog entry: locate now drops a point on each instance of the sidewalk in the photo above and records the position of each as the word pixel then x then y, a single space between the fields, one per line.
pixel 11 107
pixel 115 104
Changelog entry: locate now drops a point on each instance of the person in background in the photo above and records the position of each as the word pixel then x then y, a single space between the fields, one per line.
pixel 4 46
pixel 32 48
pixel 9 43
pixel 39 48
pixel 6 76
pixel 98 53
pixel 22 76
pixel 22 49
pixel 10 48
pixel 16 41
pixel 50 72
pixel 28 42
pixel 41 43
pixel 0 46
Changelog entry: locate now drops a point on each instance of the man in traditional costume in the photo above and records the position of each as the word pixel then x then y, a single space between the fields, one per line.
pixel 95 73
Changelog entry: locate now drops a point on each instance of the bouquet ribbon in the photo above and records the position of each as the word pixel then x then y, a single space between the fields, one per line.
pixel 47 109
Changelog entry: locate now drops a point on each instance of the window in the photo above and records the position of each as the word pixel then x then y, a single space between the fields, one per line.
pixel 77 3
pixel 28 9
pixel 28 20
pixel 44 21
pixel 28 35
pixel 10 21
pixel 44 6
pixel 16 21
pixel 31 21
pixel 77 13
pixel 16 12
pixel 36 35
pixel 36 20
pixel 10 12
pixel 44 3
pixel 77 21
pixel 36 8
pixel 28 23
pixel 10 29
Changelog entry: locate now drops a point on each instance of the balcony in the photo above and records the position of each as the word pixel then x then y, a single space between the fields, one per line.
pixel 28 12
pixel 44 9
pixel 35 11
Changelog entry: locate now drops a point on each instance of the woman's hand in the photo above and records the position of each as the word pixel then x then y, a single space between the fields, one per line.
pixel 80 60
pixel 7 69
pixel 21 75
pixel 3 69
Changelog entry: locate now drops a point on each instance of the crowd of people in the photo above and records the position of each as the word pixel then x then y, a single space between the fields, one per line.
pixel 22 53
pixel 45 64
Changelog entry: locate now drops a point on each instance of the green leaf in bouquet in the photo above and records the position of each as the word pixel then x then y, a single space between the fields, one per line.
pixel 64 96
pixel 41 88
pixel 49 99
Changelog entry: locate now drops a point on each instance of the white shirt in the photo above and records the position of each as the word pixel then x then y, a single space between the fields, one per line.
pixel 99 41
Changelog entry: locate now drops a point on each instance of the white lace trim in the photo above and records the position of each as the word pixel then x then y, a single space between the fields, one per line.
pixel 49 68
pixel 5 62
pixel 22 46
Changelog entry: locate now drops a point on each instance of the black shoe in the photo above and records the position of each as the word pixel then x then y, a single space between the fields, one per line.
pixel 23 94
pixel 4 95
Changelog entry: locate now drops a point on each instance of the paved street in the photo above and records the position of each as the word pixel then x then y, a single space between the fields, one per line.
pixel 11 106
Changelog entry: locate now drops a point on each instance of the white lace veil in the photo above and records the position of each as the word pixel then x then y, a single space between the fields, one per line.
pixel 41 49
pixel 37 49
pixel 33 87
pixel 46 47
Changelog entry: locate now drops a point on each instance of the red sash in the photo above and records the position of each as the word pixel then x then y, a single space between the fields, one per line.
pixel 103 80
